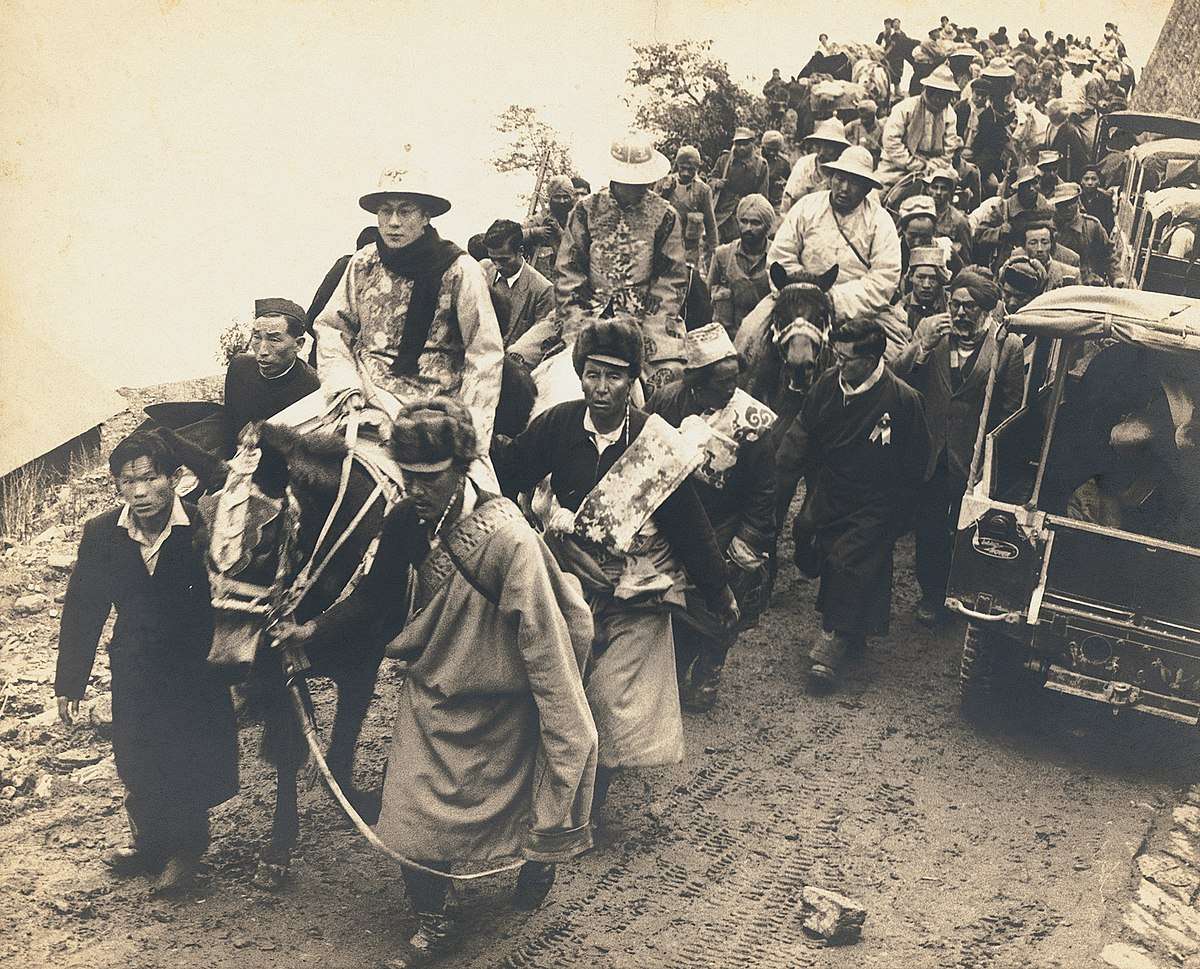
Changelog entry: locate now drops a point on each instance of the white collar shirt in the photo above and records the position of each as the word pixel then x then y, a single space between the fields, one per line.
pixel 871 381
pixel 150 547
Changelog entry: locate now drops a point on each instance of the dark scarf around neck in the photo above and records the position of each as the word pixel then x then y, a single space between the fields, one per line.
pixel 424 262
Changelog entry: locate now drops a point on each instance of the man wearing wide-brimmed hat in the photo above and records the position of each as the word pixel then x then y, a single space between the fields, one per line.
pixel 921 127
pixel 623 249
pixel 843 226
pixel 412 317
pixel 825 144
pixel 866 130
pixel 738 172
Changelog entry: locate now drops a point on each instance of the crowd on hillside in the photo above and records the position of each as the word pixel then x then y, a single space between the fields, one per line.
pixel 826 300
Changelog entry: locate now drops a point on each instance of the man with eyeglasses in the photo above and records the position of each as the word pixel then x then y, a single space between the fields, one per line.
pixel 863 443
pixel 949 360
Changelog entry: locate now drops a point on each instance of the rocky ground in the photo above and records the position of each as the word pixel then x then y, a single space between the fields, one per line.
pixel 1061 837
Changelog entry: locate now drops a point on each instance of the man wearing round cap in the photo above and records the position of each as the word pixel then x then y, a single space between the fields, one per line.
pixel 738 172
pixel 623 248
pixel 843 226
pixel 866 130
pixel 948 361
pixel 737 278
pixel 736 486
pixel 543 233
pixel 693 200
pixel 261 383
pixel 493 751
pixel 921 127
pixel 779 166
pixel 825 144
pixel 412 317
pixel 1073 228
pixel 916 221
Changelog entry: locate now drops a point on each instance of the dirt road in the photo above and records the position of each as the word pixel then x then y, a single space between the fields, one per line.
pixel 1002 849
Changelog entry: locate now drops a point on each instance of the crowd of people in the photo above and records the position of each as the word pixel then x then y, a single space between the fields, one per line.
pixel 829 300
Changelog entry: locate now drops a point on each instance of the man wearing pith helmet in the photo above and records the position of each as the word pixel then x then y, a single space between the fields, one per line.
pixel 412 317
pixel 623 250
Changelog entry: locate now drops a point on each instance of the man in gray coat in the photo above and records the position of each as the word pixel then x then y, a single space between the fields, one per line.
pixel 522 296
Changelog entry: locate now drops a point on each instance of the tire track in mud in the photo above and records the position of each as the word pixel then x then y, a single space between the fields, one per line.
pixel 734 882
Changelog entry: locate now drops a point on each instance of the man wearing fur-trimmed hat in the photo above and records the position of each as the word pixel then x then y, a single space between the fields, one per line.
pixel 921 127
pixel 622 251
pixel 412 318
pixel 736 486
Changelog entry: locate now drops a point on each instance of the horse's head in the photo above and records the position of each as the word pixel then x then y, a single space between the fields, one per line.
pixel 261 529
pixel 801 322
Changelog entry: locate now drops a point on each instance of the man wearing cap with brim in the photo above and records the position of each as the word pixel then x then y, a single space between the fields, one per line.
pixel 995 227
pixel 941 181
pixel 1075 229
pixel 921 127
pixel 1047 165
pixel 493 749
pixel 825 144
pixel 738 172
pixel 844 226
pixel 261 383
pixel 917 220
pixel 693 200
pixel 623 250
pixel 779 166
pixel 736 486
pixel 866 130
pixel 412 317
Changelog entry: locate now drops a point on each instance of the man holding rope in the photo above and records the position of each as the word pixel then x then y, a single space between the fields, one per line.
pixel 494 748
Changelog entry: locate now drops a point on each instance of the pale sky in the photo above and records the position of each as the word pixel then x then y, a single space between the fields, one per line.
pixel 163 164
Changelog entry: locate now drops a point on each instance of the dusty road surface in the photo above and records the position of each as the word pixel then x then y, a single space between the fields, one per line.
pixel 1007 848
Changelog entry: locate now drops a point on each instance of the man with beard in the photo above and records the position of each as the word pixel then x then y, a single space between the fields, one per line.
pixel 693 200
pixel 738 172
pixel 1093 201
pixel 921 128
pixel 949 361
pixel 623 249
pixel 863 443
pixel 542 235
pixel 1084 234
pixel 941 182
pixel 413 317
pixel 736 486
pixel 927 278
pixel 779 168
pixel 261 383
pixel 843 226
pixel 737 278
pixel 825 144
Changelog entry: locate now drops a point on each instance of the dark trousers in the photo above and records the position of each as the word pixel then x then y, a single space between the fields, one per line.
pixel 164 827
pixel 692 646
pixel 936 520
pixel 426 893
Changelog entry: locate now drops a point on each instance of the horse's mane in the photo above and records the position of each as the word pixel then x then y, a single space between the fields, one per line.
pixel 314 460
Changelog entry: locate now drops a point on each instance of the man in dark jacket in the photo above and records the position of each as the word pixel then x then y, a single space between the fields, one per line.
pixel 863 443
pixel 736 486
pixel 174 738
pixel 261 383
pixel 949 360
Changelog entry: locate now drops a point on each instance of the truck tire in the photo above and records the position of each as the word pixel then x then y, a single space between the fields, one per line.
pixel 980 671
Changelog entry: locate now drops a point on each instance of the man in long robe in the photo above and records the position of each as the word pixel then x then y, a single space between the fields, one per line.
pixel 412 317
pixel 864 444
pixel 921 128
pixel 494 747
